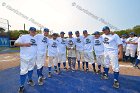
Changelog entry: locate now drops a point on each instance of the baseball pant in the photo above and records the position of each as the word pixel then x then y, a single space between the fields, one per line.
pixel 53 60
pixel 26 65
pixel 100 59
pixel 89 57
pixel 40 61
pixel 130 52
pixel 113 58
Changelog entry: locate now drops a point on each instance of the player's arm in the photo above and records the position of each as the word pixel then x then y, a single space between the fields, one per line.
pixel 120 51
pixel 23 44
pixel 120 47
pixel 135 42
pixel 19 43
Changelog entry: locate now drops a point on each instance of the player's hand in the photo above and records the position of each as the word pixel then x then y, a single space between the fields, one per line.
pixel 27 44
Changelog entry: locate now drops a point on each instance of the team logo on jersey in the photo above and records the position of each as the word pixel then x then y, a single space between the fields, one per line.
pixel 63 41
pixel 78 40
pixel 97 42
pixel 88 41
pixel 130 40
pixel 106 40
pixel 33 42
pixel 123 41
pixel 70 42
pixel 44 40
pixel 54 45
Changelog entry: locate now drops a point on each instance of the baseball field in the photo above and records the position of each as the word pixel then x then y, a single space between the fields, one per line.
pixel 67 81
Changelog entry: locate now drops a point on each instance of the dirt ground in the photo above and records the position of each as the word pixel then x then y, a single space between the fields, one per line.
pixel 10 60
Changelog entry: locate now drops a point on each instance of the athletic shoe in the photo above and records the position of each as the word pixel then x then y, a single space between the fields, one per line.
pixel 49 75
pixel 94 70
pixel 31 83
pixel 65 69
pixel 55 71
pixel 43 77
pixel 59 71
pixel 21 89
pixel 99 72
pixel 104 76
pixel 116 84
pixel 40 81
pixel 86 70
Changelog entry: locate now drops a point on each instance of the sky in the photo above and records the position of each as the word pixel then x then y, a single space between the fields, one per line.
pixel 65 15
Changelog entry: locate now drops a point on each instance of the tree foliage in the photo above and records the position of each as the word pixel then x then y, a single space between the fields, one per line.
pixel 135 29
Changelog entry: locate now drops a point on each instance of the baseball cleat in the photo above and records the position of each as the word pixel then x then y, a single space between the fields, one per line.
pixel 59 71
pixel 21 89
pixel 55 71
pixel 86 70
pixel 40 81
pixel 65 68
pixel 49 75
pixel 43 77
pixel 94 70
pixel 104 76
pixel 31 83
pixel 116 84
pixel 99 72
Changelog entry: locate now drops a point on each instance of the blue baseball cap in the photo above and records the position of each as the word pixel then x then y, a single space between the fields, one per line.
pixel 106 28
pixel 70 33
pixel 131 33
pixel 77 32
pixel 96 33
pixel 46 30
pixel 32 29
pixel 62 32
pixel 85 31
pixel 54 34
pixel 124 35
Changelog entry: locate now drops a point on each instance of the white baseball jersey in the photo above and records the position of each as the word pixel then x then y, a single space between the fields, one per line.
pixel 79 43
pixel 134 40
pixel 98 46
pixel 124 43
pixel 139 44
pixel 62 45
pixel 71 44
pixel 111 43
pixel 27 53
pixel 53 47
pixel 88 43
pixel 41 44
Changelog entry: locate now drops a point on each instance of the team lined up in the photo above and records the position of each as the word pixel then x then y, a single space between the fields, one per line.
pixel 33 50
pixel 131 48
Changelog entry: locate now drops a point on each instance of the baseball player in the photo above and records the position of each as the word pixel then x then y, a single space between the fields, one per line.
pixel 71 51
pixel 112 47
pixel 53 53
pixel 41 53
pixel 88 51
pixel 62 51
pixel 28 49
pixel 138 54
pixel 99 50
pixel 123 39
pixel 131 47
pixel 79 48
